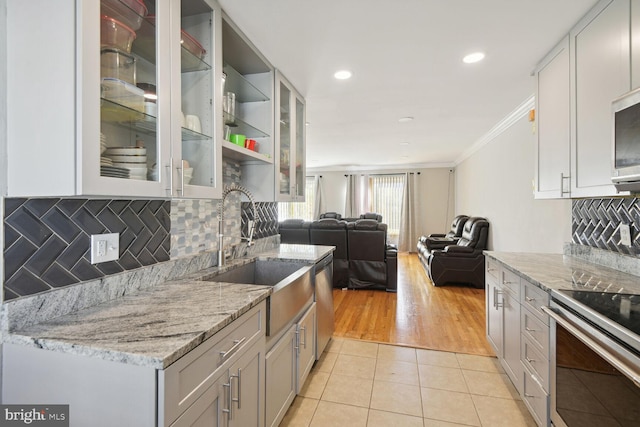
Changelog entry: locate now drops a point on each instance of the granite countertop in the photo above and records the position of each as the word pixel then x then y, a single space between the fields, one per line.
pixel 156 326
pixel 555 271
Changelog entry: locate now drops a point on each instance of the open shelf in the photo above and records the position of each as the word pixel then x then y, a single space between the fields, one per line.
pixel 233 151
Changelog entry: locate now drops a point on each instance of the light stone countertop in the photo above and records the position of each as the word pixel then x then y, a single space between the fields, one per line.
pixel 156 326
pixel 555 271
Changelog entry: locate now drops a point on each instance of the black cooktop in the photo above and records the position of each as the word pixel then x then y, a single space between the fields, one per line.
pixel 623 309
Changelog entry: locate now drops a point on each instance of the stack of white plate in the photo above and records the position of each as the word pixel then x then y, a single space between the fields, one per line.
pixel 106 161
pixel 133 159
pixel 103 143
pixel 114 172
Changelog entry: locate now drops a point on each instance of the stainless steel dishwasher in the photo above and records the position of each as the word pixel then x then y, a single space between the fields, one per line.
pixel 324 302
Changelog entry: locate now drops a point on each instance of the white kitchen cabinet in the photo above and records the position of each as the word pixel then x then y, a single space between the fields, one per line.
pixel 553 122
pixel 220 382
pixel 280 369
pixel 306 346
pixel 245 388
pixel 494 306
pixel 288 364
pixel 63 113
pixel 248 79
pixel 290 142
pixel 503 318
pixel 601 72
pixel 635 44
pixel 518 330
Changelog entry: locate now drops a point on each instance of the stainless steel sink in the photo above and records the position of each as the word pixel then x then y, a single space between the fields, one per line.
pixel 292 288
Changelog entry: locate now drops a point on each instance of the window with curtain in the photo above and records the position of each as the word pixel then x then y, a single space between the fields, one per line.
pixel 302 210
pixel 385 198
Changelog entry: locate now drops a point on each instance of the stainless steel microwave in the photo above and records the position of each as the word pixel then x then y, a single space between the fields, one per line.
pixel 626 142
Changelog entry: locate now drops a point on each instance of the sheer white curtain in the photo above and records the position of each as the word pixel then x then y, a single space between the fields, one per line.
pixel 318 206
pixel 409 217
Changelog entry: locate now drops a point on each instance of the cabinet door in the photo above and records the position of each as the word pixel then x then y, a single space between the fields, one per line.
pixel 495 301
pixel 280 382
pixel 553 121
pixel 511 328
pixel 635 44
pixel 600 68
pixel 196 153
pixel 284 140
pixel 299 168
pixel 207 411
pixel 306 345
pixel 246 383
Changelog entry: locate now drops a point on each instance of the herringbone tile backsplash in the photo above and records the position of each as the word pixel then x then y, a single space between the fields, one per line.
pixel 595 222
pixel 47 241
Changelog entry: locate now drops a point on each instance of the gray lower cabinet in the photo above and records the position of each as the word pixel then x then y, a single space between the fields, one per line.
pixel 280 368
pixel 503 319
pixel 519 333
pixel 220 382
pixel 230 363
pixel 288 364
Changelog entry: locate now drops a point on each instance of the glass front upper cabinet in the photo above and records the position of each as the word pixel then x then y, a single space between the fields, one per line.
pixel 131 93
pixel 285 140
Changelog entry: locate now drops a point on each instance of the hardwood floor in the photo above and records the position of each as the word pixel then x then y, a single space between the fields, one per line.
pixel 448 318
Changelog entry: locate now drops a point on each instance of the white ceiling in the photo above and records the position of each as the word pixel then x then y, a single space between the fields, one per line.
pixel 406 59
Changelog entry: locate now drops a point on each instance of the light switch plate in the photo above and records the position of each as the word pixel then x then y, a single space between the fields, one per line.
pixel 625 234
pixel 105 247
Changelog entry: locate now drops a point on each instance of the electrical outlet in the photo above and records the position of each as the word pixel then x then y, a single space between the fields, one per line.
pixel 625 234
pixel 105 247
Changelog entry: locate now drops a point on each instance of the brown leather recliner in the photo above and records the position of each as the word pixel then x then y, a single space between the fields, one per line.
pixel 372 263
pixel 331 232
pixel 295 231
pixel 462 262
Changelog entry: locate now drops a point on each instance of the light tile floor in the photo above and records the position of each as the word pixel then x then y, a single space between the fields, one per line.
pixel 358 383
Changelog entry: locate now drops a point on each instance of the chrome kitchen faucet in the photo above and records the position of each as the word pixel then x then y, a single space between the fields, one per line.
pixel 250 224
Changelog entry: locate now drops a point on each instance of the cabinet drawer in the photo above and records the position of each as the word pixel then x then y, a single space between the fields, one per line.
pixel 191 375
pixel 536 399
pixel 536 362
pixel 511 282
pixel 493 270
pixel 533 298
pixel 535 330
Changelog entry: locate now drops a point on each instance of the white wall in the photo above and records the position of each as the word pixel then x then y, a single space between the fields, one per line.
pixel 436 189
pixel 496 182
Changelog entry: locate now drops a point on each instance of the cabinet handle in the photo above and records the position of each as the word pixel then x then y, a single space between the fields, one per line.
pixel 296 343
pixel 491 270
pixel 236 345
pixel 528 329
pixel 239 392
pixel 531 396
pixel 304 330
pixel 529 299
pixel 496 304
pixel 530 360
pixel 181 173
pixel 562 178
pixel 168 171
pixel 228 411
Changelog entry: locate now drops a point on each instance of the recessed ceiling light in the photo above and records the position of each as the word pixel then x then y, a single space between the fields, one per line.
pixel 342 74
pixel 473 57
pixel 404 143
pixel 405 119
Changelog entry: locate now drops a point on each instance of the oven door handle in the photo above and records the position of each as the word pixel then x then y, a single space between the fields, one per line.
pixel 620 365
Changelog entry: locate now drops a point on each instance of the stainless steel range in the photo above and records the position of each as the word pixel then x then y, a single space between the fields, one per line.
pixel 595 358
